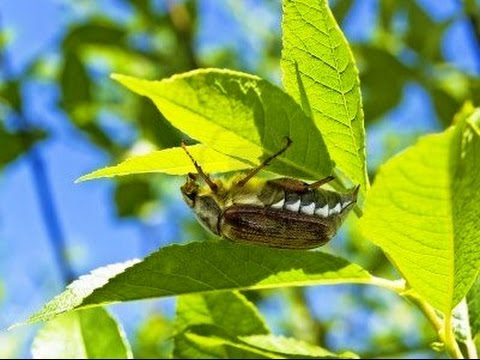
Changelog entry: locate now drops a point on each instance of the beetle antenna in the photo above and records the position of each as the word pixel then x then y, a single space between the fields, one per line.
pixel 265 163
pixel 203 175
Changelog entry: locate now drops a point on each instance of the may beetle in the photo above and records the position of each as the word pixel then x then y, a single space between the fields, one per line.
pixel 282 213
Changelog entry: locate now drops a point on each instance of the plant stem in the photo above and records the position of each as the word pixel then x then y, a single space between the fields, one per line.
pixel 444 329
pixel 451 345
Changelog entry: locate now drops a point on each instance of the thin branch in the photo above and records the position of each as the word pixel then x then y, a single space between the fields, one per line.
pixel 41 184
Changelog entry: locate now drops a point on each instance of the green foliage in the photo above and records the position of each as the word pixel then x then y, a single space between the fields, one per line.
pixel 227 325
pixel 229 312
pixel 239 115
pixel 86 334
pixel 15 145
pixel 320 73
pixel 172 161
pixel 202 267
pixel 153 338
pixel 421 211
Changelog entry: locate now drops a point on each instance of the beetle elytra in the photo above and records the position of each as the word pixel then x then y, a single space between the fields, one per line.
pixel 283 213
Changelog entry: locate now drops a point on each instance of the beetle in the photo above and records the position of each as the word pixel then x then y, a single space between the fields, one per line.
pixel 282 213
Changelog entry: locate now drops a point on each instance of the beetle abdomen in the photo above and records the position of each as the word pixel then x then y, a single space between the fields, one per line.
pixel 318 202
pixel 282 229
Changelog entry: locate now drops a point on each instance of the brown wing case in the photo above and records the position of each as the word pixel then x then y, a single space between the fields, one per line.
pixel 275 228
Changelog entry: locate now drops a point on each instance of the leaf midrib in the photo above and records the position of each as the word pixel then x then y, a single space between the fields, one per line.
pixel 340 81
pixel 284 160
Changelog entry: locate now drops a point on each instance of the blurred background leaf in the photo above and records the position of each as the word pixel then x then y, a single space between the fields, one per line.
pixel 88 334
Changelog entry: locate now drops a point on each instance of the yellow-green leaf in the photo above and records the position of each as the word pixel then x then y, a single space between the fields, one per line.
pixel 172 161
pixel 257 346
pixel 240 115
pixel 86 334
pixel 320 73
pixel 423 211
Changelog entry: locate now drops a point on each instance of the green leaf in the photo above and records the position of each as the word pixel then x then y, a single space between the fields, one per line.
pixel 383 79
pixel 76 86
pixel 320 73
pixel 132 195
pixel 423 211
pixel 86 334
pixel 17 144
pixel 256 346
pixel 227 325
pixel 172 161
pixel 101 32
pixel 202 267
pixel 153 337
pixel 473 301
pixel 240 115
pixel 291 348
pixel 426 43
pixel 229 311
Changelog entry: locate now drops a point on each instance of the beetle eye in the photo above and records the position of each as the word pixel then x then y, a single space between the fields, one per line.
pixel 190 190
pixel 189 196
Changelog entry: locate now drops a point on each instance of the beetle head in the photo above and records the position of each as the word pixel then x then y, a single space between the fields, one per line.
pixel 190 190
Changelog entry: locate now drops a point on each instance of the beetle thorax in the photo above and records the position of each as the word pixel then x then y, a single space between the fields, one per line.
pixel 208 212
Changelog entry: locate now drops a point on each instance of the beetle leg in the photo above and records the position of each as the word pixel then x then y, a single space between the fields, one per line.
pixel 290 185
pixel 203 175
pixel 321 182
pixel 265 163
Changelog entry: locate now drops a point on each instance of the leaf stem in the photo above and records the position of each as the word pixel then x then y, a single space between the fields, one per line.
pixel 443 328
pixel 451 345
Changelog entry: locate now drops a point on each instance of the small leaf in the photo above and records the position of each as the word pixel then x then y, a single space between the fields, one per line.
pixel 202 267
pixel 257 346
pixel 320 73
pixel 172 161
pixel 17 144
pixel 383 79
pixel 99 32
pixel 239 115
pixel 229 311
pixel 86 334
pixel 132 195
pixel 423 212
pixel 76 85
pixel 292 348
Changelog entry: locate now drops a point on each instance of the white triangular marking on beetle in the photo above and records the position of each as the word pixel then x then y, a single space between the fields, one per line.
pixel 323 212
pixel 278 205
pixel 345 204
pixel 308 209
pixel 335 210
pixel 293 207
